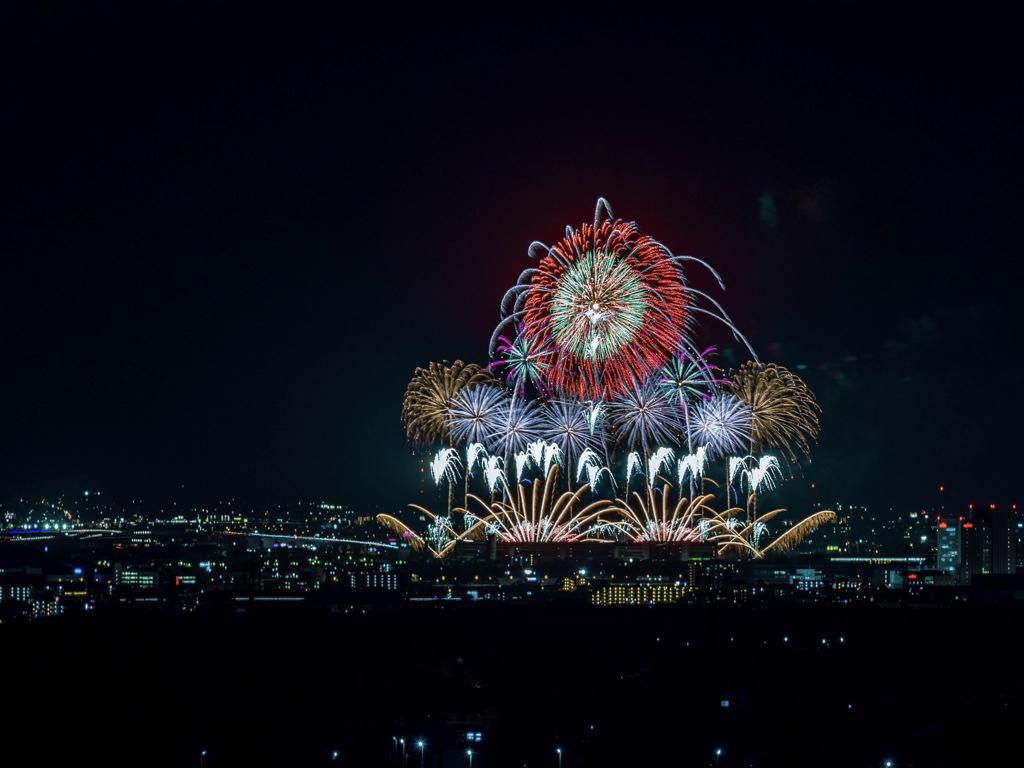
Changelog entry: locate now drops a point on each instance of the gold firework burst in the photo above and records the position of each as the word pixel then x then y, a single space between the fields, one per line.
pixel 784 411
pixel 427 409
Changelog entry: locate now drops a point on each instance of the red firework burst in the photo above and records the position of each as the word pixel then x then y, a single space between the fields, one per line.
pixel 610 304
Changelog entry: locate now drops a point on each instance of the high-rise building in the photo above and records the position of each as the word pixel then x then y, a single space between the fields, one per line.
pixel 947 548
pixel 1004 539
pixel 975 548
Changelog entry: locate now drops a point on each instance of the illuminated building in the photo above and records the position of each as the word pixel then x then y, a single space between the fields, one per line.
pixel 947 557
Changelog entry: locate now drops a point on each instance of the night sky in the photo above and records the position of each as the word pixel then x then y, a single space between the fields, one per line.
pixel 230 236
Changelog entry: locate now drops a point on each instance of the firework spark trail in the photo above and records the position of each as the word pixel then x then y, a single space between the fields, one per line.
pixel 764 474
pixel 588 458
pixel 544 454
pixel 594 473
pixel 633 464
pixel 692 465
pixel 444 465
pixel 552 455
pixel 659 459
pixel 476 453
pixel 521 460
pixel 493 472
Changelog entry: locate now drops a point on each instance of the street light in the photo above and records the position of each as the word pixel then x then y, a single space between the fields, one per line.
pixel 405 758
pixel 558 751
pixel 718 755
pixel 202 754
pixel 470 753
pixel 421 752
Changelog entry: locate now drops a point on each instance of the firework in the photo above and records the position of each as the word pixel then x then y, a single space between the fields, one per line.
pixel 797 533
pixel 784 413
pixel 472 413
pixel 570 425
pixel 594 349
pixel 641 417
pixel 763 475
pixel 476 453
pixel 445 465
pixel 539 454
pixel 426 407
pixel 439 532
pixel 608 303
pixel 692 465
pixel 721 423
pixel 538 516
pixel 649 517
pixel 526 362
pixel 687 378
pixel 493 472
pixel 517 423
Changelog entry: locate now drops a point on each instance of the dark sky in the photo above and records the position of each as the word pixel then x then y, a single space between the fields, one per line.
pixel 230 236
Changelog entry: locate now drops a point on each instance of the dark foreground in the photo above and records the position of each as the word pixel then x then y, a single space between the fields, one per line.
pixel 806 685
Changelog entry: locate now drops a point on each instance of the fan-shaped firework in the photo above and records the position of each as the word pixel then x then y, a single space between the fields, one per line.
pixel 722 423
pixel 784 413
pixel 641 417
pixel 649 517
pixel 426 408
pixel 797 533
pixel 472 413
pixel 537 516
pixel 439 532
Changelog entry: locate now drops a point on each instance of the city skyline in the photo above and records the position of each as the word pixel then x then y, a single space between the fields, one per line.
pixel 231 242
pixel 284 648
